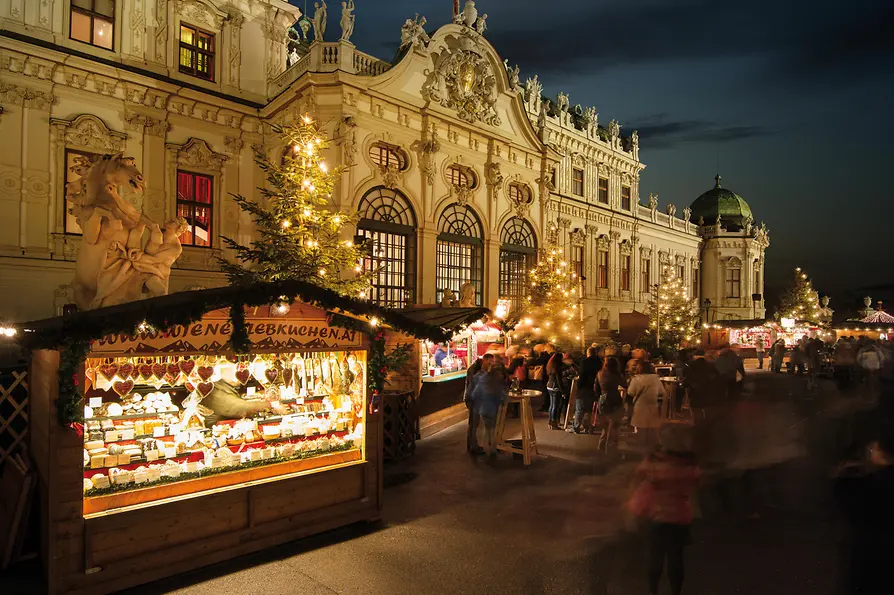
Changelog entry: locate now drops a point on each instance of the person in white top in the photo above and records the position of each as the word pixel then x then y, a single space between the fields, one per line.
pixel 646 389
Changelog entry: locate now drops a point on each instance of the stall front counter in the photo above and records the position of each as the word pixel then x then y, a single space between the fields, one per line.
pixel 190 454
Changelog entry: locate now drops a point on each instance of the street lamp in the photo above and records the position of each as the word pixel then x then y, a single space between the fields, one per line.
pixel 707 311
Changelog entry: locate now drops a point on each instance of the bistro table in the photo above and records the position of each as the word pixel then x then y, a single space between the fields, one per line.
pixel 526 417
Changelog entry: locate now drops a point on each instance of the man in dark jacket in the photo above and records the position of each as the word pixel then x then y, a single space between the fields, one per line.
pixel 586 388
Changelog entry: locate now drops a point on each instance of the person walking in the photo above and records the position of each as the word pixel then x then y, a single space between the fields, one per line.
pixel 646 390
pixel 611 404
pixel 488 395
pixel 554 370
pixel 472 431
pixel 586 389
pixel 668 477
pixel 759 352
pixel 569 375
pixel 777 355
pixel 864 492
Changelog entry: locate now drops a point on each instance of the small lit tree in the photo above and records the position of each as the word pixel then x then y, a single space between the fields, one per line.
pixel 301 235
pixel 552 309
pixel 673 316
pixel 800 300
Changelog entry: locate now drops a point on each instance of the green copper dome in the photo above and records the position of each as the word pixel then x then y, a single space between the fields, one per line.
pixel 731 207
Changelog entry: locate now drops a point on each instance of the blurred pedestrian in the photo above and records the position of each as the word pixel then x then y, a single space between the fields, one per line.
pixel 865 491
pixel 647 391
pixel 759 352
pixel 611 405
pixel 472 430
pixel 488 394
pixel 587 389
pixel 777 354
pixel 668 477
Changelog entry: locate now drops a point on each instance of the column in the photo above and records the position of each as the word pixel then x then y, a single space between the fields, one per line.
pixel 491 285
pixel 426 263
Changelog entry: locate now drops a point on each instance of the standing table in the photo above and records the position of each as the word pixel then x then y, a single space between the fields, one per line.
pixel 526 417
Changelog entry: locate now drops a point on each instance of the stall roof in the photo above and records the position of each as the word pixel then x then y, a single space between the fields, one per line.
pixel 738 324
pixel 445 317
pixel 170 310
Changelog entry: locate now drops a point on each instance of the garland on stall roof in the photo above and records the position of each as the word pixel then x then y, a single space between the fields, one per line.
pixel 239 339
pixel 71 358
pixel 380 364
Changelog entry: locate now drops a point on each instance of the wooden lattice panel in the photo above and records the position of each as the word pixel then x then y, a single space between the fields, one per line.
pixel 13 411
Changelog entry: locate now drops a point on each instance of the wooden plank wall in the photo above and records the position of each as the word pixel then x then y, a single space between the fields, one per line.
pixel 119 550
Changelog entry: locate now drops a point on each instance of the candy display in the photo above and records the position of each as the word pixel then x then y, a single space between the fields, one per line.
pixel 156 420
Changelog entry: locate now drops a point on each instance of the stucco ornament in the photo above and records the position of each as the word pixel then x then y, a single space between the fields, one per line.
pixel 463 80
pixel 115 265
pixel 687 214
pixel 468 16
pixel 671 210
pixel 521 203
pixel 493 176
pixel 653 204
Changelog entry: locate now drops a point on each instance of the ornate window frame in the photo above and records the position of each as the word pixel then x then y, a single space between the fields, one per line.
pixel 447 241
pixel 196 156
pixel 603 319
pixel 207 17
pixel 518 243
pixel 462 192
pixel 391 174
pixel 84 133
pixel 733 263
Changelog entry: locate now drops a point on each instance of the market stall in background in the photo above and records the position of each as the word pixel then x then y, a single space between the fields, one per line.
pixel 742 335
pixel 878 324
pixel 174 441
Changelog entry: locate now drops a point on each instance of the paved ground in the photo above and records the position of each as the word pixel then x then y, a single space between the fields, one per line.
pixel 454 525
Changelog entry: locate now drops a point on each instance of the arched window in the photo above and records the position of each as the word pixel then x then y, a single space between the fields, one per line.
pixel 388 221
pixel 460 255
pixel 734 278
pixel 385 155
pixel 518 254
pixel 462 176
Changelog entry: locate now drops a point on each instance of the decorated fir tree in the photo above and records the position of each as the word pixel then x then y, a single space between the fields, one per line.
pixel 300 235
pixel 552 310
pixel 673 316
pixel 800 300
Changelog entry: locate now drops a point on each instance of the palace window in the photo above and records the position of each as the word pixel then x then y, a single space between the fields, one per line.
pixel 681 272
pixel 602 269
pixel 73 159
pixel 462 176
pixel 756 288
pixel 603 191
pixel 518 255
pixel 734 278
pixel 577 181
pixel 385 155
pixel 625 198
pixel 387 220
pixel 460 253
pixel 645 271
pixel 93 22
pixel 695 284
pixel 194 203
pixel 625 272
pixel 196 52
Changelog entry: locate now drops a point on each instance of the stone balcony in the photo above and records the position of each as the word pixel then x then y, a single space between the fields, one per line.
pixel 328 57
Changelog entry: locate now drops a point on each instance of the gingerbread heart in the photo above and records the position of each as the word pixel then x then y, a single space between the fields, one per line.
pixel 205 388
pixel 108 371
pixel 243 375
pixel 168 379
pixel 271 374
pixel 190 386
pixel 205 372
pixel 173 369
pixel 233 358
pixel 187 366
pixel 145 372
pixel 287 376
pixel 158 370
pixel 126 370
pixel 123 387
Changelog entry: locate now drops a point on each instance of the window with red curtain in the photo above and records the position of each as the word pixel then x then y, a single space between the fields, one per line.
pixel 194 203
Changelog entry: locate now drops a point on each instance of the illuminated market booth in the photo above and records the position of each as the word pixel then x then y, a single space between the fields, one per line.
pixel 743 335
pixel 877 325
pixel 202 422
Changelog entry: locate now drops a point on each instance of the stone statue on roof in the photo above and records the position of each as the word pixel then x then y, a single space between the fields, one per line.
pixel 468 16
pixel 481 24
pixel 320 16
pixel 413 34
pixel 347 20
pixel 512 73
pixel 687 214
pixel 562 102
pixel 533 91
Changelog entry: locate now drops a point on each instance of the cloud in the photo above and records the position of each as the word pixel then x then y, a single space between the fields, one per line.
pixel 660 132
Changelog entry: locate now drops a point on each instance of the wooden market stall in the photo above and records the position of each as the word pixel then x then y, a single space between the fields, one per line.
pixel 191 451
pixel 877 325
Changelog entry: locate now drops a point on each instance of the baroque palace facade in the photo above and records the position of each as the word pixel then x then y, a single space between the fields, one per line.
pixel 459 171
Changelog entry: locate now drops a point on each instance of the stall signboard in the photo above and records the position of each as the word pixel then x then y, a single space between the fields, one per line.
pixel 212 336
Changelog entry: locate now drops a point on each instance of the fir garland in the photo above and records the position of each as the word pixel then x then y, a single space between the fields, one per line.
pixel 381 363
pixel 71 357
pixel 239 339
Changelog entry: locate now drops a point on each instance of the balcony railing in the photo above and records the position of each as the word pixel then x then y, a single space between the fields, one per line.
pixel 328 57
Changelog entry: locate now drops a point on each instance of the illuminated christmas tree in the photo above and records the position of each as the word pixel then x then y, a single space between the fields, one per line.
pixel 800 300
pixel 301 235
pixel 552 311
pixel 673 316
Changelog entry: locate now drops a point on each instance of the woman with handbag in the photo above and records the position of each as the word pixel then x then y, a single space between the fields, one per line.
pixel 646 391
pixel 669 477
pixel 610 408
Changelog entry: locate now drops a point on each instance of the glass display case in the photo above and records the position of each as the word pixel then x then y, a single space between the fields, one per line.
pixel 172 419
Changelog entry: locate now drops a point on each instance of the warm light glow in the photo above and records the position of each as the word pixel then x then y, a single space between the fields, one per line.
pixel 373 321
pixel 286 224
pixel 337 219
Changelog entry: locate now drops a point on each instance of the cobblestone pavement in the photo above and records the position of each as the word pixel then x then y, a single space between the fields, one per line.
pixel 455 525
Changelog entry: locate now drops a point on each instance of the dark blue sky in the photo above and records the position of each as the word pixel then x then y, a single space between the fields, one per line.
pixel 790 99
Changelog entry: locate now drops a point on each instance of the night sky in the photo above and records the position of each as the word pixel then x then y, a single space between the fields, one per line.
pixel 790 100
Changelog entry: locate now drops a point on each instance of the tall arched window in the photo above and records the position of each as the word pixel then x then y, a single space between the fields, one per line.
pixel 460 251
pixel 734 278
pixel 518 254
pixel 388 220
